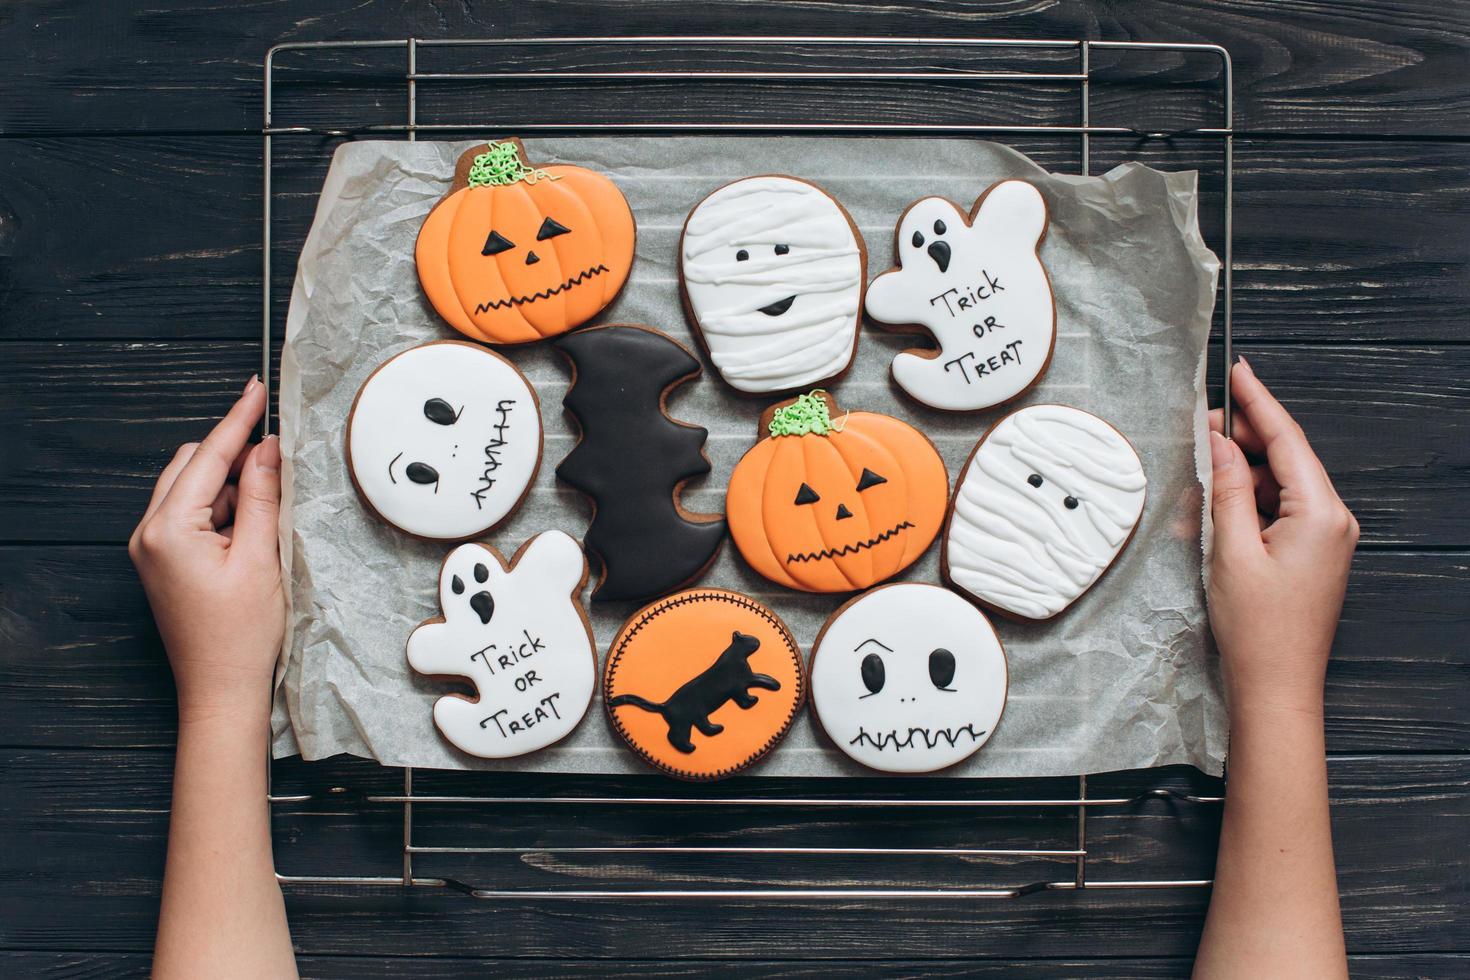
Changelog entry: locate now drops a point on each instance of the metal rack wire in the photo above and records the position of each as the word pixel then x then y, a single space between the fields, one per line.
pixel 1083 129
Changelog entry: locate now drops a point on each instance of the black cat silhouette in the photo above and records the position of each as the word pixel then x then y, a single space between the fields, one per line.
pixel 727 679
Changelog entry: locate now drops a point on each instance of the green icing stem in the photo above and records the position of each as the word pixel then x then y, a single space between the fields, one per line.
pixel 500 165
pixel 808 415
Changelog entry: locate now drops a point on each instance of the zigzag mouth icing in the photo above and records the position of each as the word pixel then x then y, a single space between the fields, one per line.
pixel 930 738
pixel 577 280
pixel 850 549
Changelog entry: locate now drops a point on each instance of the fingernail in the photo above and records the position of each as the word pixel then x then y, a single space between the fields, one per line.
pixel 1220 454
pixel 250 385
pixel 1244 363
pixel 268 456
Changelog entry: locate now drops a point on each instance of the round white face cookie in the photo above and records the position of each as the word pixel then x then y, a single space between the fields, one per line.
pixel 444 439
pixel 773 270
pixel 519 636
pixel 979 287
pixel 1046 503
pixel 908 678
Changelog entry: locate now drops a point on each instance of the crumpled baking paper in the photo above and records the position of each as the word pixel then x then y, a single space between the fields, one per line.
pixel 1125 678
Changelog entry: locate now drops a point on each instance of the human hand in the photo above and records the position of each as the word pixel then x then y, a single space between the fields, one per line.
pixel 206 553
pixel 1283 545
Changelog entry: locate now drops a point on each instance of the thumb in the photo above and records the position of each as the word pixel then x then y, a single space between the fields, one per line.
pixel 1233 504
pixel 259 503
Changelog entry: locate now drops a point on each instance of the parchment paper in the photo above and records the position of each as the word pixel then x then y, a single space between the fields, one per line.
pixel 1125 678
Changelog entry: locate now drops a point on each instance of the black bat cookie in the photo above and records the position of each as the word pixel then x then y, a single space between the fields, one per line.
pixel 633 459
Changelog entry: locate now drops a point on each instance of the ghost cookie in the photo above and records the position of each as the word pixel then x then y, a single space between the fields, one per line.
pixel 515 252
pixel 1046 503
pixel 518 633
pixel 908 678
pixel 976 283
pixel 444 439
pixel 830 501
pixel 773 271
pixel 703 683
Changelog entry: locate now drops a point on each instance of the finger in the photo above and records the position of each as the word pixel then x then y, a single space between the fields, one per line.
pixel 1241 432
pixel 1268 491
pixel 1233 502
pixel 205 474
pixel 1286 448
pixel 166 479
pixel 259 505
pixel 222 511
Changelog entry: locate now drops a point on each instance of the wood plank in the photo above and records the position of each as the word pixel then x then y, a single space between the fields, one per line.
pixel 82 666
pixel 1305 269
pixel 1397 825
pixel 1366 66
pixel 1388 423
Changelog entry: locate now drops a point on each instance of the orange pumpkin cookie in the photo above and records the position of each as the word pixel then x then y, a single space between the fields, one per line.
pixel 834 503
pixel 703 683
pixel 515 253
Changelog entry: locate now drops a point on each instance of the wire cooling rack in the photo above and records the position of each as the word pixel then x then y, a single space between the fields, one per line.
pixel 1068 63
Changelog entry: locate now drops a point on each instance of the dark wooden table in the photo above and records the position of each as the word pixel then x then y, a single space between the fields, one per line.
pixel 129 317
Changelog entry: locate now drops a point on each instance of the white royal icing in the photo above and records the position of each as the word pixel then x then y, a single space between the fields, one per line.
pixel 519 637
pixel 1019 547
pixel 821 272
pixel 921 717
pixel 480 440
pixel 980 289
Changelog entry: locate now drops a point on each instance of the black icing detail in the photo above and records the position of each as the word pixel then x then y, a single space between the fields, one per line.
pixel 782 249
pixel 869 479
pixel 484 606
pixel 883 741
pixel 456 585
pixel 482 574
pixel 939 227
pixel 742 255
pixel 440 412
pixel 918 239
pixel 632 456
pixel 532 258
pixel 842 512
pixel 1034 479
pixel 806 495
pixel 778 307
pixel 495 243
pixel 1070 502
pixel 550 228
pixel 729 678
pixel 577 280
pixel 422 474
pixel 940 253
pixel 941 668
pixel 850 549
pixel 391 463
pixel 873 673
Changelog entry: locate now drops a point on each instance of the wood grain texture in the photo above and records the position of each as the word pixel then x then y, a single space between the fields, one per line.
pixel 1364 66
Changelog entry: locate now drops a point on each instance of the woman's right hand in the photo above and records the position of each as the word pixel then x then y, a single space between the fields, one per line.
pixel 1284 542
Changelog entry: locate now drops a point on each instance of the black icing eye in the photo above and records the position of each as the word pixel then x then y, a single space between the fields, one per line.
pixel 806 495
pixel 1034 479
pixel 782 249
pixel 456 585
pixel 741 255
pixel 421 473
pixel 496 243
pixel 481 573
pixel 918 239
pixel 1070 502
pixel 869 479
pixel 941 668
pixel 939 227
pixel 550 228
pixel 873 673
pixel 440 412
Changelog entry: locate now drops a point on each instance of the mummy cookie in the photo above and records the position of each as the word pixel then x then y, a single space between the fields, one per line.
pixel 515 252
pixel 773 271
pixel 908 678
pixel 444 439
pixel 703 683
pixel 1047 501
pixel 831 501
pixel 518 633
pixel 632 460
pixel 977 284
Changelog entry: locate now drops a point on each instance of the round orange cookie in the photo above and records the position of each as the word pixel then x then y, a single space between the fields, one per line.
pixel 833 502
pixel 703 683
pixel 515 253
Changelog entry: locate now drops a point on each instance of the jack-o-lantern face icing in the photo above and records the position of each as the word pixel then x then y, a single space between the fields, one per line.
pixel 516 253
pixel 834 503
pixel 908 678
